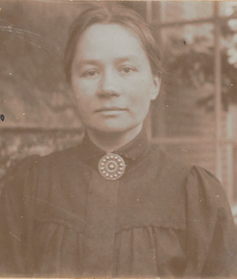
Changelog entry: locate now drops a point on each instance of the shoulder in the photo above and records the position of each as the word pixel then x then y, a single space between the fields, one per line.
pixel 194 181
pixel 205 191
pixel 19 169
pixel 196 191
pixel 60 158
pixel 22 167
pixel 14 182
pixel 172 170
pixel 25 173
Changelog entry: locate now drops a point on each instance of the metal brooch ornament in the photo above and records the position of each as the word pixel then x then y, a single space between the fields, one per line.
pixel 111 166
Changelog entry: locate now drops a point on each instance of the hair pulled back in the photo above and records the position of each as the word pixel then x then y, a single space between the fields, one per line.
pixel 106 13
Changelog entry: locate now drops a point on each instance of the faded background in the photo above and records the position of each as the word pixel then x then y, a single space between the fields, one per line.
pixel 194 117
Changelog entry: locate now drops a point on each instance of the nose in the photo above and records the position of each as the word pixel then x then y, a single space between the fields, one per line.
pixel 109 85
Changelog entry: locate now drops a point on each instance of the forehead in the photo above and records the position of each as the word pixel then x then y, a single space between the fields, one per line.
pixel 105 41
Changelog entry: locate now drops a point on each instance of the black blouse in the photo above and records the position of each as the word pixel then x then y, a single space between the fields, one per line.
pixel 60 217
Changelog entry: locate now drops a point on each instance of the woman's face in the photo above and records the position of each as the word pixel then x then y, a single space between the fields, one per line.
pixel 112 79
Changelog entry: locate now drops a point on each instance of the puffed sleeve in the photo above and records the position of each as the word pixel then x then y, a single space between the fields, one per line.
pixel 15 212
pixel 211 231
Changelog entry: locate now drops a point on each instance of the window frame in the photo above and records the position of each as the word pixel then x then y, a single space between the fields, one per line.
pixel 218 140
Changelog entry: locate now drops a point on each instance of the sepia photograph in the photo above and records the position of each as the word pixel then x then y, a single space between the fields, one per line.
pixel 118 139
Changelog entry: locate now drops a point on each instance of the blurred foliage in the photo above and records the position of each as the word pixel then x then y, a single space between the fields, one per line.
pixel 191 63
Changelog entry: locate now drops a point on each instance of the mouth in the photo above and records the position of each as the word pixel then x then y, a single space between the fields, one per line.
pixel 110 109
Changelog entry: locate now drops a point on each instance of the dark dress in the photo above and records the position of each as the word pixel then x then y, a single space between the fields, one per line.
pixel 163 217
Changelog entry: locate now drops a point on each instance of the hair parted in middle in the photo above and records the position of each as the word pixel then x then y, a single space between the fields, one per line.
pixel 112 13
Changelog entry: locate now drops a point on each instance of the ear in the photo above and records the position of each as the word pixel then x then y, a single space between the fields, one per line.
pixel 156 87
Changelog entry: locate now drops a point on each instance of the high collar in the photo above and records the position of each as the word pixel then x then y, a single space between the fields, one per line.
pixel 130 152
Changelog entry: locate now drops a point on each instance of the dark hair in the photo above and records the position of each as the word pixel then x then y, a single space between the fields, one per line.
pixel 118 14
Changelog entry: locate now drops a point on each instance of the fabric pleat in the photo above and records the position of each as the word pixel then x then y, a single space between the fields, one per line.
pixel 163 218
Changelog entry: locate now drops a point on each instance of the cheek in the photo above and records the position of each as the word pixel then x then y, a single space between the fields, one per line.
pixel 142 92
pixel 83 93
pixel 139 106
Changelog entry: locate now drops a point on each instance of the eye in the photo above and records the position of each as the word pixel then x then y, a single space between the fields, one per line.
pixel 127 69
pixel 90 73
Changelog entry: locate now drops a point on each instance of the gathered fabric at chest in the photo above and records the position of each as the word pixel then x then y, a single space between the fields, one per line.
pixel 110 228
pixel 162 217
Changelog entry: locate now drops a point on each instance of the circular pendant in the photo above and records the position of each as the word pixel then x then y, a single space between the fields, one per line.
pixel 111 166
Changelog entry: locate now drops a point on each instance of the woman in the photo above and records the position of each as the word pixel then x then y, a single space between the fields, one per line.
pixel 114 206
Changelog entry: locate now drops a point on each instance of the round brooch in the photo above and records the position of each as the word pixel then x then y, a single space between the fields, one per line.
pixel 111 166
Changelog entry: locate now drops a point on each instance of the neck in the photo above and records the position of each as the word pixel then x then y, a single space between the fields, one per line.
pixel 112 141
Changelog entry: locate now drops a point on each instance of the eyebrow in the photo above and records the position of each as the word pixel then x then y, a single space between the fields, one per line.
pixel 88 62
pixel 127 58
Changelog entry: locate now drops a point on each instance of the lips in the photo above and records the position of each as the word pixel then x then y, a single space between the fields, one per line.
pixel 104 109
